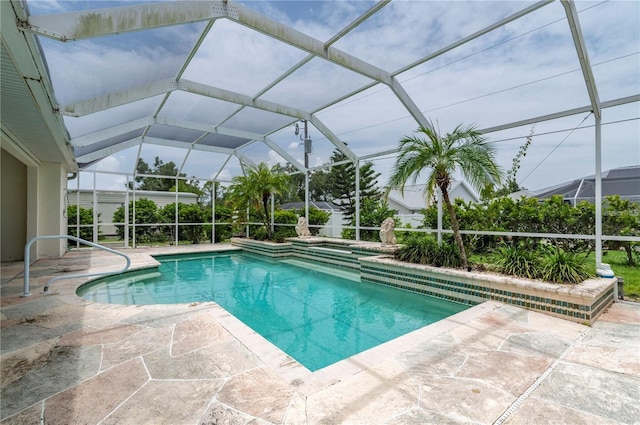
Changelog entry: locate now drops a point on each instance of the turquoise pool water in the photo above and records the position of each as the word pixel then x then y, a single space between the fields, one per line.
pixel 315 314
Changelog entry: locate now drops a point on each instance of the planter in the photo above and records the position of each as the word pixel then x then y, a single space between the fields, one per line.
pixel 581 303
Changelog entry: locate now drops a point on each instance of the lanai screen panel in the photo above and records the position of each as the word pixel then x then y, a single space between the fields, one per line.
pixel 370 122
pixel 94 67
pixel 612 37
pixel 178 134
pixel 222 141
pixel 405 31
pixel 523 69
pixel 236 58
pixel 315 84
pixel 190 107
pixel 202 164
pixel 119 162
pixel 101 120
pixel 257 121
pixel 83 150
pixel 498 80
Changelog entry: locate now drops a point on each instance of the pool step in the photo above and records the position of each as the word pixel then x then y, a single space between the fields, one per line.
pixel 333 271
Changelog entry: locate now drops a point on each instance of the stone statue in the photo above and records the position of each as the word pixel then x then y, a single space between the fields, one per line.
pixel 302 228
pixel 386 232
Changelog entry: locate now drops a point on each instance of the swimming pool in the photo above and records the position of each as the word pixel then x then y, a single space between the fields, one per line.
pixel 315 314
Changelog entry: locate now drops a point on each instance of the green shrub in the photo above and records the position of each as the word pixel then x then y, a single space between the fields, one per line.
pixel 448 255
pixel 187 213
pixel 280 233
pixel 86 218
pixel 561 266
pixel 518 260
pixel 317 217
pixel 373 212
pixel 146 213
pixel 223 215
pixel 420 249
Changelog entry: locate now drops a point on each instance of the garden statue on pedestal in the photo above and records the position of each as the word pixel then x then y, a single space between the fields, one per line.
pixel 386 232
pixel 302 228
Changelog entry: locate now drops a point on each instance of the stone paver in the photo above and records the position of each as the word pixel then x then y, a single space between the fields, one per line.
pixel 103 393
pixel 166 402
pixel 371 396
pixel 258 392
pixel 69 361
pixel 534 412
pixel 596 391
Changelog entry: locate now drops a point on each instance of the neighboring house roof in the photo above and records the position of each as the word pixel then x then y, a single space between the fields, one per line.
pixel 413 199
pixel 519 194
pixel 321 205
pixel 624 181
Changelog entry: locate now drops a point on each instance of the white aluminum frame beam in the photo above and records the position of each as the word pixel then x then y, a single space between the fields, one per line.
pixel 114 131
pixel 592 89
pixel 583 55
pixel 72 26
pixel 109 150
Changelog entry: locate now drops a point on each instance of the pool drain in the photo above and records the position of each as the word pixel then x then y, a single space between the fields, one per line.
pixel 516 404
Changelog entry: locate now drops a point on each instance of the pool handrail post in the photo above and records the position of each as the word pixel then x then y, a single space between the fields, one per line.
pixel 27 261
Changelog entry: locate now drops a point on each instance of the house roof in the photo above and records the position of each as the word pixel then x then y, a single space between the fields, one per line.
pixel 413 197
pixel 624 181
pixel 321 205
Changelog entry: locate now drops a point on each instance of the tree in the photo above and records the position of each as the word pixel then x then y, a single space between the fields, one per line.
pixel 147 215
pixel 373 212
pixel 511 184
pixel 342 183
pixel 294 192
pixel 160 168
pixel 255 189
pixel 318 184
pixel 464 149
pixel 187 213
pixel 86 219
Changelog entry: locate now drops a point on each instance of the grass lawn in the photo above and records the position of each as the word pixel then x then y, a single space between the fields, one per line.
pixel 616 259
pixel 618 262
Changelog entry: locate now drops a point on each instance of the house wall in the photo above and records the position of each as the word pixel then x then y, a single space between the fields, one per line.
pixel 109 201
pixel 13 199
pixel 333 227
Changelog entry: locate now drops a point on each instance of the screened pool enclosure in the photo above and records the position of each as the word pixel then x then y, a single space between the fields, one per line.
pixel 217 86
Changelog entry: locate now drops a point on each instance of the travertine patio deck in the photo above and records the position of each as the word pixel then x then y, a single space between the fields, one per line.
pixel 69 361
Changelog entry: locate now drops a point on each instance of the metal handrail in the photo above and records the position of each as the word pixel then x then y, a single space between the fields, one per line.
pixel 73 238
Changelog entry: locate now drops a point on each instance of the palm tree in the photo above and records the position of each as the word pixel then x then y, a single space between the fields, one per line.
pixel 464 149
pixel 256 187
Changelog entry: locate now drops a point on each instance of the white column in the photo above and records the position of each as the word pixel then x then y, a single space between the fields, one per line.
pixel 357 200
pixel 273 208
pixel 33 199
pixel 52 181
pixel 598 193
pixel 213 212
pixel 94 203
pixel 176 213
pixel 306 195
pixel 439 197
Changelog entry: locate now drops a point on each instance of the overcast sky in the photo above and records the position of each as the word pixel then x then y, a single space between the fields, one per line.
pixel 525 69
